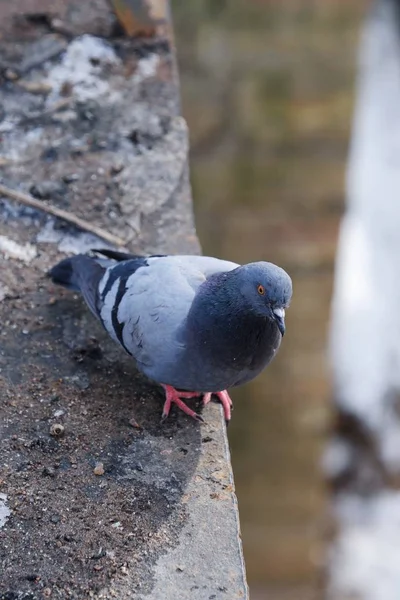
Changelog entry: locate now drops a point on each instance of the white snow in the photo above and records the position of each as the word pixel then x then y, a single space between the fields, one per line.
pixel 365 335
pixel 336 458
pixel 70 243
pixel 4 510
pixel 11 249
pixel 366 557
pixel 147 67
pixel 81 67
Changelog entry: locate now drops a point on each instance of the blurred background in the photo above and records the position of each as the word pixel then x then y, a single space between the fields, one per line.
pixel 268 92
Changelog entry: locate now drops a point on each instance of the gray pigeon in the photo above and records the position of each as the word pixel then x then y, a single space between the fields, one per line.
pixel 196 325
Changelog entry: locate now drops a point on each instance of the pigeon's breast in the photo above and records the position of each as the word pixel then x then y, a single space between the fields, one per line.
pixel 261 348
pixel 219 358
pixel 260 361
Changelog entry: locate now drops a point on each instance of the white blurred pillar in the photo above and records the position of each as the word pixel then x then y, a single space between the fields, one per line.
pixel 363 458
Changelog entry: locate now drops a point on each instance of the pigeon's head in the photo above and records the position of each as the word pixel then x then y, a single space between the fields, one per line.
pixel 267 289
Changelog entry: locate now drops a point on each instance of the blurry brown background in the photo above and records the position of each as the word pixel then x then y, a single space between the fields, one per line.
pixel 268 91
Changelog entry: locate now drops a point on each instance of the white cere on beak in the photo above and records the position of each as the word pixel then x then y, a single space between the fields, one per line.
pixel 279 312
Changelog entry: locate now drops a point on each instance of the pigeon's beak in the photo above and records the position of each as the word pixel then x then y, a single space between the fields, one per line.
pixel 279 316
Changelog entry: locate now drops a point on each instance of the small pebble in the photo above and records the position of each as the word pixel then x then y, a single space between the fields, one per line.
pixel 99 469
pixel 35 87
pixel 10 74
pixel 60 26
pixel 99 554
pixel 49 472
pixel 70 178
pixel 98 567
pixel 116 168
pixel 54 518
pixel 46 190
pixel 57 430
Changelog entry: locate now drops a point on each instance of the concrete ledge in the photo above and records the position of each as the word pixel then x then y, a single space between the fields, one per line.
pixel 90 504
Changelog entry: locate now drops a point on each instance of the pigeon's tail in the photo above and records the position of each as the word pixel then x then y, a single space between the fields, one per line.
pixel 82 274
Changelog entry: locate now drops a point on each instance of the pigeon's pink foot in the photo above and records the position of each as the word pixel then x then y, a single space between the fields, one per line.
pixel 173 396
pixel 225 400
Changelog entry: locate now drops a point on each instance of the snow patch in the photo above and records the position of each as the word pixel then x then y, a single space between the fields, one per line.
pixel 365 329
pixel 12 249
pixel 81 67
pixel 4 510
pixel 365 335
pixel 68 242
pixel 365 559
pixel 337 458
pixel 147 67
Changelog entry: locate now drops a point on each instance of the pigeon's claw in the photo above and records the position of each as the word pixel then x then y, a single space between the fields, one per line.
pixel 173 396
pixel 225 400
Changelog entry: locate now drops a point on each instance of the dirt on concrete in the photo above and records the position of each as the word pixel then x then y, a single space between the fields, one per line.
pixel 70 401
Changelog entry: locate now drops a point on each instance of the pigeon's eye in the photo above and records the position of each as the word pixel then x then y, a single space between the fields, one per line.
pixel 261 290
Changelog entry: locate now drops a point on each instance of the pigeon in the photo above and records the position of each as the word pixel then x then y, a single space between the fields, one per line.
pixel 196 325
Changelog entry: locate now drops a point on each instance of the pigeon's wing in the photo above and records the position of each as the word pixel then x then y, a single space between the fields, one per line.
pixel 208 265
pixel 145 301
pixel 122 256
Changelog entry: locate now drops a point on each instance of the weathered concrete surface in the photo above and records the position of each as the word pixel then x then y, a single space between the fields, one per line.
pixel 104 509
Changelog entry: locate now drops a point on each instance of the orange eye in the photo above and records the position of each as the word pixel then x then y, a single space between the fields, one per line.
pixel 261 290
